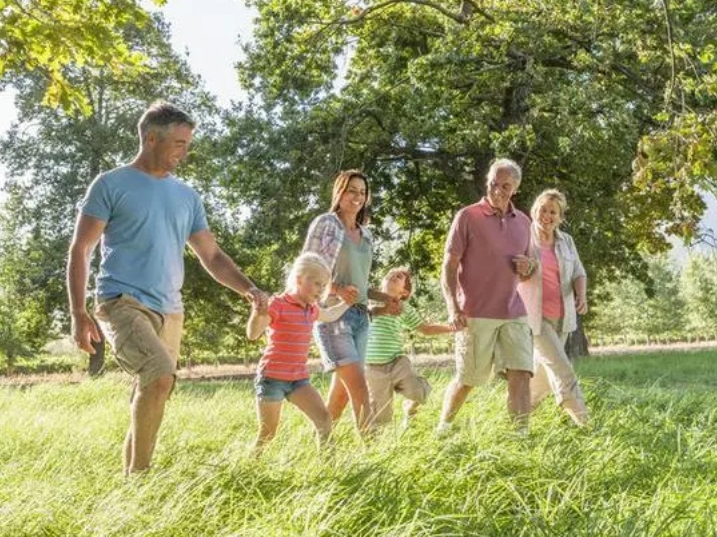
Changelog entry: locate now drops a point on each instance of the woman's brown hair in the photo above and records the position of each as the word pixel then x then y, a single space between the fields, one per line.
pixel 341 183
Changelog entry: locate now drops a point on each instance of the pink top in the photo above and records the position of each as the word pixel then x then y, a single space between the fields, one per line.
pixel 486 243
pixel 552 298
pixel 288 339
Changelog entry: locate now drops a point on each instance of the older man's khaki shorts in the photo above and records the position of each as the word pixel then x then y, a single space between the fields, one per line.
pixel 145 342
pixel 492 346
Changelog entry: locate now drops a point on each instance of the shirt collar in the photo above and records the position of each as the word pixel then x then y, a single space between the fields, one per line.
pixel 291 300
pixel 489 210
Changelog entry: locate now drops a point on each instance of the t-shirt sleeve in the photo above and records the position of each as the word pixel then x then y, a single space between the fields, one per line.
pixel 410 319
pixel 97 201
pixel 323 238
pixel 457 238
pixel 200 216
pixel 274 308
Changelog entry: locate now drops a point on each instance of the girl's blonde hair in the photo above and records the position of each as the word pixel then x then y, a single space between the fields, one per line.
pixel 308 263
pixel 551 194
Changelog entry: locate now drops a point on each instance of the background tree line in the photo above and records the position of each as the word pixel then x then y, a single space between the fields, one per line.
pixel 612 102
pixel 679 304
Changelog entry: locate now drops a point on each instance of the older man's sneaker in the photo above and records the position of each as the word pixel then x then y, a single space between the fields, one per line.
pixel 443 429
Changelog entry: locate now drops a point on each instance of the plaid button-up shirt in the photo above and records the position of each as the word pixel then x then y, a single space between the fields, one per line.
pixel 326 235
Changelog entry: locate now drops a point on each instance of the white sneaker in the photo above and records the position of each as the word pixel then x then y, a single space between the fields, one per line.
pixel 443 428
pixel 406 422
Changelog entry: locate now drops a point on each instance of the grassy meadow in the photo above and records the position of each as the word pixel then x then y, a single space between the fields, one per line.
pixel 646 466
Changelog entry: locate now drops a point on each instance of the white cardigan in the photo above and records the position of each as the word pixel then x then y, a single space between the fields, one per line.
pixel 571 268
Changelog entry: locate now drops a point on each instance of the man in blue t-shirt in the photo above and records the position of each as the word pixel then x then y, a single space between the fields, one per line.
pixel 144 217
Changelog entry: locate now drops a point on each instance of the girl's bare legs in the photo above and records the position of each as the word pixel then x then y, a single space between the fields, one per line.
pixel 308 400
pixel 268 413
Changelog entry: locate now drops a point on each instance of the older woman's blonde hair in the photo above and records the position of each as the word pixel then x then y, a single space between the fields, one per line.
pixel 551 194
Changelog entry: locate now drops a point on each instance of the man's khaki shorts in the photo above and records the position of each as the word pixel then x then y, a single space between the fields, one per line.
pixel 492 346
pixel 145 342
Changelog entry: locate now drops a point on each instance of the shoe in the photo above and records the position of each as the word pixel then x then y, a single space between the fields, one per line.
pixel 406 422
pixel 443 429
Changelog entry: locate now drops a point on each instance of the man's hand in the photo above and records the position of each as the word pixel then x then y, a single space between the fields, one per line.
pixel 258 299
pixel 524 265
pixel 458 320
pixel 84 331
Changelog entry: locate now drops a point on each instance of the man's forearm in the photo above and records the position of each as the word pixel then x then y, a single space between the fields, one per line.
pixel 225 271
pixel 77 276
pixel 449 285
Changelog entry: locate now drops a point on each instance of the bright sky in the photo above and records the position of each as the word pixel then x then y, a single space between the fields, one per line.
pixel 211 31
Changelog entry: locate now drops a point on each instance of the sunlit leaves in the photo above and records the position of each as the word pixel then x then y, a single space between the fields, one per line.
pixel 46 36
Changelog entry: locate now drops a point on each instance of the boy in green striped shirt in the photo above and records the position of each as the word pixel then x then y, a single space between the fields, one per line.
pixel 388 368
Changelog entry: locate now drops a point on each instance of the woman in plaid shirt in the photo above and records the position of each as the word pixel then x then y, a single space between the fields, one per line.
pixel 341 238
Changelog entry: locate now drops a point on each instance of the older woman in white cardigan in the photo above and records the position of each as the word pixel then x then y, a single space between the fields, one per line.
pixel 553 297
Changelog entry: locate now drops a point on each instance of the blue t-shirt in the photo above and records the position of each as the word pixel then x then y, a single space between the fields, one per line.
pixel 148 223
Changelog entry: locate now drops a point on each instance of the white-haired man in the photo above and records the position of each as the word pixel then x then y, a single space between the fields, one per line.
pixel 487 252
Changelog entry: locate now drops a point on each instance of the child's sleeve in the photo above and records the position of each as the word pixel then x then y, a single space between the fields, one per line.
pixel 410 319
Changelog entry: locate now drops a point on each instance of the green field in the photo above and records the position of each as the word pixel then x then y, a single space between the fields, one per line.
pixel 647 466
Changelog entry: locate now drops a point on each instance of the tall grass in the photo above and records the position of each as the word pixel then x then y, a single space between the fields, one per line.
pixel 646 466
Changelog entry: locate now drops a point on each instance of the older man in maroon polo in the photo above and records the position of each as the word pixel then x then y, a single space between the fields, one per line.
pixel 487 252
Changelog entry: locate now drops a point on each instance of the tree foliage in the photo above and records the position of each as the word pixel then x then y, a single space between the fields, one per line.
pixel 46 37
pixel 629 309
pixel 699 287
pixel 51 156
pixel 423 95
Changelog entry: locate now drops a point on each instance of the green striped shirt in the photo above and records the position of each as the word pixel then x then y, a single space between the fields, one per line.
pixel 385 338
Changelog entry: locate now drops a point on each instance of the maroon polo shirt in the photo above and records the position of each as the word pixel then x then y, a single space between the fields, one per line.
pixel 486 242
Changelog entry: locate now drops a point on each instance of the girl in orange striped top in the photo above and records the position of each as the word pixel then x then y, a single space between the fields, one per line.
pixel 288 320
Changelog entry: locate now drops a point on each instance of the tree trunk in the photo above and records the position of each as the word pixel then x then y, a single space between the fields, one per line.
pixel 577 343
pixel 97 359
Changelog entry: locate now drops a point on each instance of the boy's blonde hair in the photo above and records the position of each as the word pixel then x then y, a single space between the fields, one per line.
pixel 308 263
pixel 408 282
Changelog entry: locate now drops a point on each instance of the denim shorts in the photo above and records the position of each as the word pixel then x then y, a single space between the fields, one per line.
pixel 267 389
pixel 343 342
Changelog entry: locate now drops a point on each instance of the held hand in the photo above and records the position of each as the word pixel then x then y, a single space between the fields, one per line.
pixel 260 307
pixel 581 305
pixel 523 265
pixel 258 299
pixel 347 293
pixel 349 302
pixel 392 306
pixel 458 321
pixel 84 331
